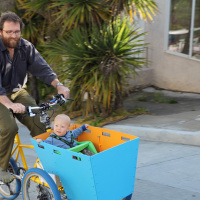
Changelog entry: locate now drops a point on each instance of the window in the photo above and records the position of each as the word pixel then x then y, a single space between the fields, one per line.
pixel 184 28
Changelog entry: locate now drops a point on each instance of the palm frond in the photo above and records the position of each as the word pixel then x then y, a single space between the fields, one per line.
pixel 98 61
pixel 145 9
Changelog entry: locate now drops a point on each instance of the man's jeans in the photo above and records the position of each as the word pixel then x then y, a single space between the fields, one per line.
pixel 9 128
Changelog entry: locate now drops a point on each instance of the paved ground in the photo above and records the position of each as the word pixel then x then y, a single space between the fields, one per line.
pixel 166 170
pixel 176 123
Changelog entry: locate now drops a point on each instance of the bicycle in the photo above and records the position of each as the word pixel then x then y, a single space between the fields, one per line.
pixel 39 183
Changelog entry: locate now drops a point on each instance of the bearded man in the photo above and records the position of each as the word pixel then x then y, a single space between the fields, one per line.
pixel 17 57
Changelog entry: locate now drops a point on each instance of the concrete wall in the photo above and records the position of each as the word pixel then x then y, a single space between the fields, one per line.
pixel 141 80
pixel 169 71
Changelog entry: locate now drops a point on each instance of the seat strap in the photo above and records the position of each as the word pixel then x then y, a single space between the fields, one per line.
pixel 63 140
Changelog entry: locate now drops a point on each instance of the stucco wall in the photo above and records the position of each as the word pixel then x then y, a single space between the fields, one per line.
pixel 141 80
pixel 169 71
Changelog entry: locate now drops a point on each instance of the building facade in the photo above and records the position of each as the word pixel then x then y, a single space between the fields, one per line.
pixel 174 46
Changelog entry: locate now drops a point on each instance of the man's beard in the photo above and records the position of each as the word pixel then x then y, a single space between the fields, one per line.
pixel 10 42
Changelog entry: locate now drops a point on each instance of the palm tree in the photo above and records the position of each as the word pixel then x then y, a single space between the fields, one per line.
pixel 95 47
pixel 73 13
pixel 97 64
pixel 145 9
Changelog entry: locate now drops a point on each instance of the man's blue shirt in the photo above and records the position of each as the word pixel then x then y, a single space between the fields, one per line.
pixel 13 73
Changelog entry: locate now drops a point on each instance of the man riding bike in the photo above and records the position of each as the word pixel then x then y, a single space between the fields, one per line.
pixel 17 57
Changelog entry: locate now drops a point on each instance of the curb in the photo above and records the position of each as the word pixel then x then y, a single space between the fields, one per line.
pixel 159 135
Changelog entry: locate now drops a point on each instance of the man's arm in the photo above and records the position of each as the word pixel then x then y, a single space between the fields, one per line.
pixel 16 107
pixel 61 88
pixel 40 68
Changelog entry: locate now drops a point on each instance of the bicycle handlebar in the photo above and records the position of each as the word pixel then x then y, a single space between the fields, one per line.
pixel 42 109
pixel 59 99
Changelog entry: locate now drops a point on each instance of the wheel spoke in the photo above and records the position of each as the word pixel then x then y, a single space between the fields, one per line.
pixel 38 185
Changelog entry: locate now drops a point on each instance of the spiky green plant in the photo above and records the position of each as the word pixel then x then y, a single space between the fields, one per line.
pixel 96 57
pixel 64 15
pixel 144 9
pixel 97 64
pixel 73 13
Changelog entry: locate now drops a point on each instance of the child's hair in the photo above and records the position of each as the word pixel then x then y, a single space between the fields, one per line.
pixel 63 117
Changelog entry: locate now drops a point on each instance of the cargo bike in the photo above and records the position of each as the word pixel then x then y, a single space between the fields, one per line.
pixel 59 173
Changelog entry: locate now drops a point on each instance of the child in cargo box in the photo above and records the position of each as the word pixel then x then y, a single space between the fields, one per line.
pixel 64 138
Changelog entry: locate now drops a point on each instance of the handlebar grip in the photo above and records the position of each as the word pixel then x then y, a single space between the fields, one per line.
pixel 26 110
pixel 63 100
pixel 59 96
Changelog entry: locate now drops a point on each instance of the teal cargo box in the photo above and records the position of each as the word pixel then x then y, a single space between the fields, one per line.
pixel 107 175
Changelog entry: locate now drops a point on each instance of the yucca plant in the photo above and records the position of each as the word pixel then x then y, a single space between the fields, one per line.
pixel 64 15
pixel 145 9
pixel 73 13
pixel 97 63
pixel 97 56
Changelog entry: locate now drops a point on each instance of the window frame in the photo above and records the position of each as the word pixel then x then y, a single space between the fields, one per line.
pixel 191 31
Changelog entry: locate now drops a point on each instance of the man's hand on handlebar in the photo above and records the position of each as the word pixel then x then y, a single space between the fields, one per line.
pixel 60 88
pixel 63 90
pixel 17 108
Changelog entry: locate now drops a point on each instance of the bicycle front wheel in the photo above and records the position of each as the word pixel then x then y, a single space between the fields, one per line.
pixel 38 185
pixel 11 190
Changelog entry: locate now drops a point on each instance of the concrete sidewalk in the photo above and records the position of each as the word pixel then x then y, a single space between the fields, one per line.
pixel 181 128
pixel 167 171
pixel 174 123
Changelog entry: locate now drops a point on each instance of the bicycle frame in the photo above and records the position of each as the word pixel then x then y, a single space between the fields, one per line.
pixel 18 149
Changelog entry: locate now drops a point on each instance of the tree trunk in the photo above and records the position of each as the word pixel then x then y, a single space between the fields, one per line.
pixel 118 96
pixel 118 100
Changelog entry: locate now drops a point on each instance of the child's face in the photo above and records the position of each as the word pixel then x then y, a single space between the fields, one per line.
pixel 61 126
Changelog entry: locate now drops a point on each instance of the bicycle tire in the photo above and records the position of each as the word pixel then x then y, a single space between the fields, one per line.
pixel 37 189
pixel 11 190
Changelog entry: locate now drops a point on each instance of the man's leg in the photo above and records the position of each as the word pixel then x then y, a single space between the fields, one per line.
pixel 8 130
pixel 32 123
